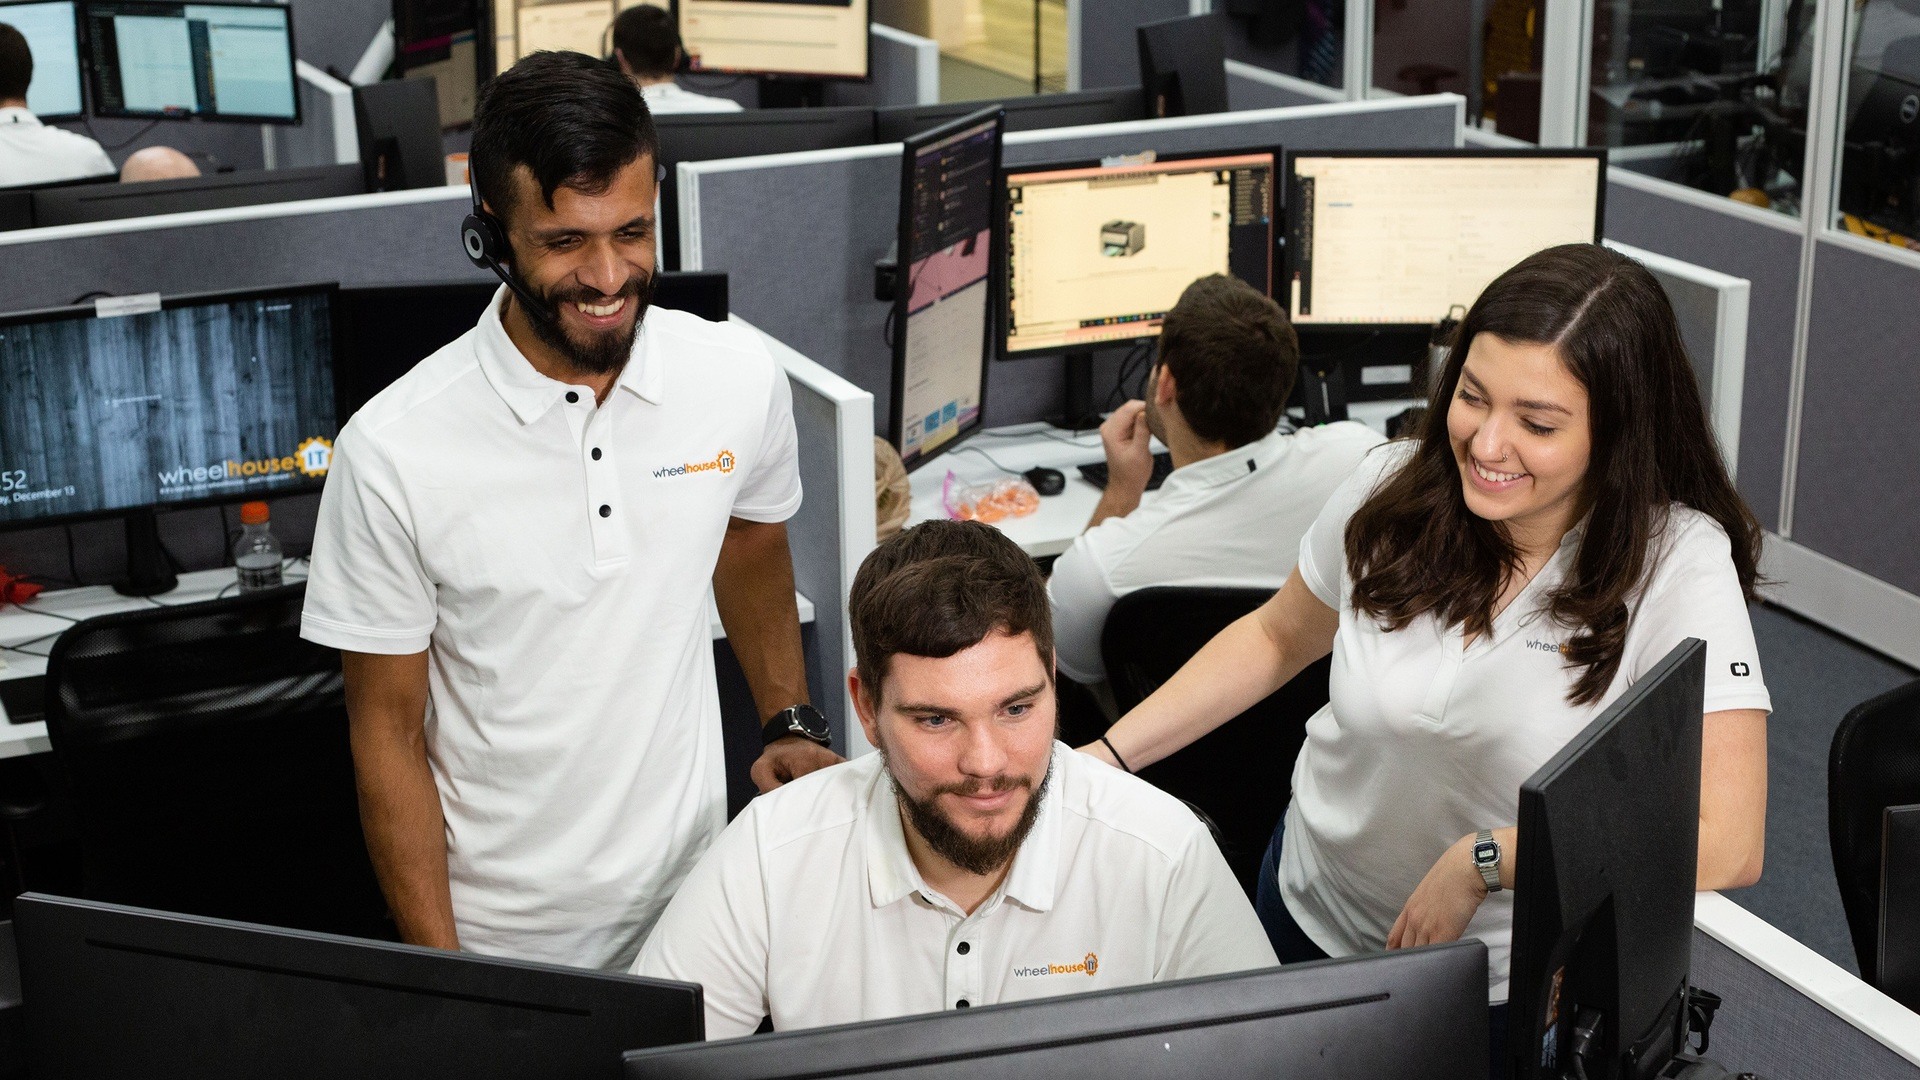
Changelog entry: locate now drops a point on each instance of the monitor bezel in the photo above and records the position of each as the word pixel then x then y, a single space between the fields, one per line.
pixel 304 486
pixel 866 56
pixel 94 64
pixel 80 57
pixel 903 292
pixel 1288 191
pixel 1002 252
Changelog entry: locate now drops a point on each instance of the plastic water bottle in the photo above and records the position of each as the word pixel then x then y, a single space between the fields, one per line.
pixel 257 555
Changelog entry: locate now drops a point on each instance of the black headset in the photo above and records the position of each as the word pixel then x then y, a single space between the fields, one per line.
pixel 485 238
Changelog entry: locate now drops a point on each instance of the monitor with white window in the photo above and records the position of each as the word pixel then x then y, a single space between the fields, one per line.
pixel 807 39
pixel 52 31
pixel 219 61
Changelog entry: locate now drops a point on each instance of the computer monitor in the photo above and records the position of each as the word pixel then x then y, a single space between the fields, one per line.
pixel 1603 898
pixel 16 210
pixel 399 122
pixel 52 31
pixel 120 991
pixel 441 40
pixel 942 306
pixel 1183 65
pixel 213 61
pixel 808 39
pixel 197 401
pixel 1898 962
pixel 1418 1014
pixel 111 202
pixel 894 123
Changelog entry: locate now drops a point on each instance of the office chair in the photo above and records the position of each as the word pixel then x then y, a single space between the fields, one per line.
pixel 1238 774
pixel 206 749
pixel 1874 764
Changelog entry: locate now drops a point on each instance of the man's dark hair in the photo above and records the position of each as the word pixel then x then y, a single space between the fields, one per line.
pixel 573 120
pixel 647 38
pixel 16 63
pixel 940 588
pixel 1233 356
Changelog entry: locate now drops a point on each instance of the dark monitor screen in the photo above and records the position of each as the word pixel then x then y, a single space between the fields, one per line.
pixel 894 123
pixel 16 210
pixel 1603 897
pixel 215 61
pixel 1183 66
pixel 111 202
pixel 212 398
pixel 1419 1014
pixel 121 992
pixel 941 314
pixel 1096 254
pixel 815 39
pixel 52 31
pixel 399 122
pixel 1899 957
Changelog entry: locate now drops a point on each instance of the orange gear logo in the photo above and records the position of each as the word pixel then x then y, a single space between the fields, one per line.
pixel 725 461
pixel 1093 964
pixel 315 456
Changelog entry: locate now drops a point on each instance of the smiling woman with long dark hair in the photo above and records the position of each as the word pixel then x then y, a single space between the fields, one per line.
pixel 1485 590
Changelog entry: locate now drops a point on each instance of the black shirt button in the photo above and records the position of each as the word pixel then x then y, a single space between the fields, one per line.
pixel 962 1003
pixel 606 511
pixel 964 949
pixel 596 453
pixel 572 397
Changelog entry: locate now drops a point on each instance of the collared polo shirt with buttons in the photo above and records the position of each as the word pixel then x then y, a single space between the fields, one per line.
pixel 554 559
pixel 1427 739
pixel 1233 520
pixel 33 153
pixel 809 909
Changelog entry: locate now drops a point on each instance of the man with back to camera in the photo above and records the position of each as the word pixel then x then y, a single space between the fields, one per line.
pixel 32 152
pixel 1241 493
pixel 646 45
pixel 515 546
pixel 974 859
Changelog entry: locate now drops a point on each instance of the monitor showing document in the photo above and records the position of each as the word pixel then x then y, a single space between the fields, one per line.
pixel 52 31
pixel 819 39
pixel 175 61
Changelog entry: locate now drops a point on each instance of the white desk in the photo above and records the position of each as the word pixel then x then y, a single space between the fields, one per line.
pixel 35 626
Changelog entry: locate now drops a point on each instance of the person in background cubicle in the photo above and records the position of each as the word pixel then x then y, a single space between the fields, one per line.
pixel 31 152
pixel 1241 493
pixel 974 859
pixel 1486 590
pixel 647 47
pixel 515 548
pixel 157 163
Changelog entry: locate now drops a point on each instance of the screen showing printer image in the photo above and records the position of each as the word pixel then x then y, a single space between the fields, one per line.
pixel 940 343
pixel 1397 239
pixel 174 61
pixel 1096 254
pixel 52 31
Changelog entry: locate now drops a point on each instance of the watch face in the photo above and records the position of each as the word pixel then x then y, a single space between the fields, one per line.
pixel 1486 854
pixel 808 719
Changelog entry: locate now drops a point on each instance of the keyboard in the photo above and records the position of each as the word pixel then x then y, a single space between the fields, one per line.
pixel 24 699
pixel 1096 473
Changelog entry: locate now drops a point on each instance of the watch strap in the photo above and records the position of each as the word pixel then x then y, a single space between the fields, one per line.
pixel 787 724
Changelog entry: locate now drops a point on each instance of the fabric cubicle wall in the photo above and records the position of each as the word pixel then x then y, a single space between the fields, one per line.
pixel 1250 87
pixel 812 285
pixel 1101 48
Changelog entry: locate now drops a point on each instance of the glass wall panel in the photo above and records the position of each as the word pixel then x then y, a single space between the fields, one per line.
pixel 1878 193
pixel 1302 38
pixel 1485 50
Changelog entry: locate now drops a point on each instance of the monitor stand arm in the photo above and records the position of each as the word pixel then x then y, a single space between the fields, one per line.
pixel 1079 413
pixel 149 573
pixel 1324 386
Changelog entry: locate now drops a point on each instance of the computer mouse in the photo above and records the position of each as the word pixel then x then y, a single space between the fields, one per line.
pixel 1046 481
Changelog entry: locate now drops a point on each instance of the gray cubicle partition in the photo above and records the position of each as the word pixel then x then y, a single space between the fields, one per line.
pixel 1250 87
pixel 327 133
pixel 807 278
pixel 1101 48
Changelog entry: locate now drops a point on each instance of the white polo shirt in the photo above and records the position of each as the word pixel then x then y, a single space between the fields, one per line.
pixel 1234 520
pixel 664 99
pixel 33 153
pixel 1426 740
pixel 554 560
pixel 809 909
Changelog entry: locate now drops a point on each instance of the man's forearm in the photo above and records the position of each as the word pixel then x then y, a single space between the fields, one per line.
pixel 753 588
pixel 406 835
pixel 1113 504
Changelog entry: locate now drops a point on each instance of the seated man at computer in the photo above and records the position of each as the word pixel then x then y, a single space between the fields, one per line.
pixel 32 152
pixel 1241 493
pixel 647 47
pixel 972 860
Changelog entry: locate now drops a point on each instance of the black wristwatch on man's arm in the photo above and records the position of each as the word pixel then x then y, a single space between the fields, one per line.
pixel 803 721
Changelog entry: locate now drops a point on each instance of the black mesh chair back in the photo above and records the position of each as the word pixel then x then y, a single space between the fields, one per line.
pixel 206 747
pixel 1874 764
pixel 1239 773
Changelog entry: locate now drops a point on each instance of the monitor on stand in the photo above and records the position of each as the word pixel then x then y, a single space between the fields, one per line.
pixel 942 300
pixel 120 991
pixel 221 61
pixel 1183 66
pixel 52 31
pixel 399 122
pixel 1094 254
pixel 894 123
pixel 442 40
pixel 199 401
pixel 794 46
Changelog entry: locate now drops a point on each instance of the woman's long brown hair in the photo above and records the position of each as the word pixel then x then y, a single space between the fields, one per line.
pixel 1414 547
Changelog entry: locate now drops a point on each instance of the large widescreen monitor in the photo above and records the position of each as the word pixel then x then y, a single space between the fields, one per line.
pixel 941 307
pixel 1096 254
pixel 813 39
pixel 52 31
pixel 221 61
pixel 1393 238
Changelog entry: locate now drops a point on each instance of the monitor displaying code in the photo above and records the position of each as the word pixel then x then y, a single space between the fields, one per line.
pixel 217 61
pixel 52 31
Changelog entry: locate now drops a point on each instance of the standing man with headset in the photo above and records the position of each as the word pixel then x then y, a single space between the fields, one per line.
pixel 514 550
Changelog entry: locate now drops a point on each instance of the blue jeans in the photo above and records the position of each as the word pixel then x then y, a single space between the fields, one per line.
pixel 1292 945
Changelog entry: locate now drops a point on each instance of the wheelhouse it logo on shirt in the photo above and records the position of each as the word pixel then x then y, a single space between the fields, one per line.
pixel 1090 965
pixel 722 463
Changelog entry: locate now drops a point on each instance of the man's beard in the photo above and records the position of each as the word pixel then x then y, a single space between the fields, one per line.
pixel 976 856
pixel 600 353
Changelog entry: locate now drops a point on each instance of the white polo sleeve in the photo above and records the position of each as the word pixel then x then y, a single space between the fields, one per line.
pixel 1695 592
pixel 771 490
pixel 1323 550
pixel 366 590
pixel 1081 597
pixel 714 932
pixel 1207 926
